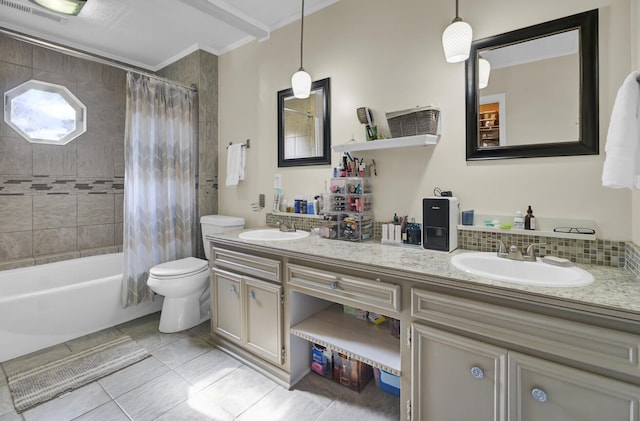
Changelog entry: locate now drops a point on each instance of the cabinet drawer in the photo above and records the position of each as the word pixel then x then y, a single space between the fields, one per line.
pixel 247 264
pixel 596 346
pixel 372 293
pixel 540 391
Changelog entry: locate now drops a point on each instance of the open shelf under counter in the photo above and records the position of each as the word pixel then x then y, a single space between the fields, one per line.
pixel 393 143
pixel 353 337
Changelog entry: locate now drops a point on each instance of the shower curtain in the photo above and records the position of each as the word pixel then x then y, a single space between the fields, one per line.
pixel 159 187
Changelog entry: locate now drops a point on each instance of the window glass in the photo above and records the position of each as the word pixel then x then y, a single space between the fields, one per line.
pixel 42 112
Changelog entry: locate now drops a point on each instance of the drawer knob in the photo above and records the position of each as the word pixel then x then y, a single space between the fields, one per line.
pixel 252 295
pixel 539 394
pixel 477 373
pixel 333 285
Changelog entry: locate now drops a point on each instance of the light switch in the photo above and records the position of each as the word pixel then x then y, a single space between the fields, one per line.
pixel 277 181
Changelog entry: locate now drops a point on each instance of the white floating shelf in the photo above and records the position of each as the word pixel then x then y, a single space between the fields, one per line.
pixel 353 337
pixel 393 143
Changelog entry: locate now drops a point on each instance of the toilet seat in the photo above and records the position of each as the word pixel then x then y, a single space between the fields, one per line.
pixel 179 268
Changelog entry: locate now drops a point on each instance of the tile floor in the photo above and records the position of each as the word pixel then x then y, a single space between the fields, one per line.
pixel 188 379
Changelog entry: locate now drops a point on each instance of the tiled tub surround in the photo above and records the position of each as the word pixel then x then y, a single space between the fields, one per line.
pixel 46 219
pixel 593 252
pixel 614 292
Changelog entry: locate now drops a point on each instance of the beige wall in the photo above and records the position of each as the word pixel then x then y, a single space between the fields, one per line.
pixel 635 54
pixel 388 56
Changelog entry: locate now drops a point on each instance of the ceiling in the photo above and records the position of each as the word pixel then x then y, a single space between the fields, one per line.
pixel 151 34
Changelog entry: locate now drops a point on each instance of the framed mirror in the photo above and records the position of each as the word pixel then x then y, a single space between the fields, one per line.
pixel 304 127
pixel 541 97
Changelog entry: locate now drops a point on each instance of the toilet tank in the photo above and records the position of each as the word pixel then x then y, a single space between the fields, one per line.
pixel 215 224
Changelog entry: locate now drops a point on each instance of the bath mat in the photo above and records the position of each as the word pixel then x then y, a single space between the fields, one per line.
pixel 37 385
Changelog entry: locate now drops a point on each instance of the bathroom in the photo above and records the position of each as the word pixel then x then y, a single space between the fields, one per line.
pixel 378 54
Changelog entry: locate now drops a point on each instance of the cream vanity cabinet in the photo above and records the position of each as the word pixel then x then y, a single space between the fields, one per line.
pixel 458 375
pixel 247 303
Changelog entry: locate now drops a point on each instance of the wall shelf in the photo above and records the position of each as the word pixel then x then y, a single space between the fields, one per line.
pixel 353 337
pixel 393 143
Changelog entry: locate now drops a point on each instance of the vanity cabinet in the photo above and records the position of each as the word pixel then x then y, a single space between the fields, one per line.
pixel 247 311
pixel 483 371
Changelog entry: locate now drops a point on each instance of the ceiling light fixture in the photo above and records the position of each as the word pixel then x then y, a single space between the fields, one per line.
pixel 456 40
pixel 66 7
pixel 301 81
pixel 484 69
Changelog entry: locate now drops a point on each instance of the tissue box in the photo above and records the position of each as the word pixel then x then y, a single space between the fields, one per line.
pixel 350 372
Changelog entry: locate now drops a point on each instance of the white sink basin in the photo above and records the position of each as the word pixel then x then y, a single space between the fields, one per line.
pixel 272 234
pixel 488 265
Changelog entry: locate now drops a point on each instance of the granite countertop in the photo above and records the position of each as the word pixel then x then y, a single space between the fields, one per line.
pixel 615 292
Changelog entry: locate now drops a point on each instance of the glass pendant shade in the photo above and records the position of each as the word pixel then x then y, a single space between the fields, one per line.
pixel 301 84
pixel 66 7
pixel 484 69
pixel 456 41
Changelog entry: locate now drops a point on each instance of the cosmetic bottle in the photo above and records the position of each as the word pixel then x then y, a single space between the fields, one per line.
pixel 529 220
pixel 518 221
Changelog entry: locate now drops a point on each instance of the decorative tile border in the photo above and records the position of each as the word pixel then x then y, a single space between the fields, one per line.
pixel 33 186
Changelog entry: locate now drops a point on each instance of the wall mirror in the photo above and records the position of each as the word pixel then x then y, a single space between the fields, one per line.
pixel 304 127
pixel 541 97
pixel 43 112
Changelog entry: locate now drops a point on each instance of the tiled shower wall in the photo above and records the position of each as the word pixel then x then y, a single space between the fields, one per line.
pixel 63 202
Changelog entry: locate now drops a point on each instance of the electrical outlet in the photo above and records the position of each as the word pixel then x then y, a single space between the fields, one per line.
pixel 277 181
pixel 261 200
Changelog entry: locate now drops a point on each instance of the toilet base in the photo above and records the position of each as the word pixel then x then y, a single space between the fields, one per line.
pixel 182 313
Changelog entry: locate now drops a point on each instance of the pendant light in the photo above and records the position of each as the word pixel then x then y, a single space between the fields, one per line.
pixel 301 81
pixel 456 40
pixel 484 69
pixel 66 7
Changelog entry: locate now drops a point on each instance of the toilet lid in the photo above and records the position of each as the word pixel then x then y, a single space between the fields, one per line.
pixel 185 266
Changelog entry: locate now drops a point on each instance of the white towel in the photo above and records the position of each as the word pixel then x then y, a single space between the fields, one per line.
pixel 235 164
pixel 622 163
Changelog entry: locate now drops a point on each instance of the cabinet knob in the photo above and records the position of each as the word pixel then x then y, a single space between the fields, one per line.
pixel 333 285
pixel 477 373
pixel 234 290
pixel 539 394
pixel 252 295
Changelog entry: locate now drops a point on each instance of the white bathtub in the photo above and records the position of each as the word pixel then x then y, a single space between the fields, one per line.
pixel 48 304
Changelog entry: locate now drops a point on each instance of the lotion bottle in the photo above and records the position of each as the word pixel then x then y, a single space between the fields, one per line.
pixel 530 220
pixel 518 221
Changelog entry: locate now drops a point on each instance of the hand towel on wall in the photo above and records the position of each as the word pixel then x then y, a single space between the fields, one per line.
pixel 622 163
pixel 235 164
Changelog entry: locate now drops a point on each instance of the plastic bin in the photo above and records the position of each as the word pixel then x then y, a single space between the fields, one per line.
pixel 389 383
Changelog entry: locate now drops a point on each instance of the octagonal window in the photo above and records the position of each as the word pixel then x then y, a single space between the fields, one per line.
pixel 43 112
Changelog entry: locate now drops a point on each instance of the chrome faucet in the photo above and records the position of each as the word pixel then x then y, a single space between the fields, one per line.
pixel 286 228
pixel 514 252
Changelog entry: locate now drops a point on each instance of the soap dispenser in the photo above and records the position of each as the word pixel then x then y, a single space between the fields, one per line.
pixel 529 220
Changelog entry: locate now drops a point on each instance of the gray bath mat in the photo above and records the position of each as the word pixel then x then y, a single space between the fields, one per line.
pixel 32 387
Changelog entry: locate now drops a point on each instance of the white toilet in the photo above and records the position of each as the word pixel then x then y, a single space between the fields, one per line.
pixel 185 282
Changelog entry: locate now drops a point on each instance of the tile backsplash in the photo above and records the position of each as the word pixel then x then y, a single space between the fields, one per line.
pixel 597 252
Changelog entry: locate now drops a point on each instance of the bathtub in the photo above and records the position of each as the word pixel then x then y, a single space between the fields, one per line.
pixel 48 304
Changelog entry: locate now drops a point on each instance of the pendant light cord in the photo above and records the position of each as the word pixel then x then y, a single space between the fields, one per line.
pixel 302 34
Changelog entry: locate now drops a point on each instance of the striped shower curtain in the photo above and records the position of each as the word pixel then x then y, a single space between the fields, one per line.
pixel 159 188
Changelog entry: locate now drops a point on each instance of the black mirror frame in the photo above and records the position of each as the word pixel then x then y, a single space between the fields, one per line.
pixel 325 159
pixel 588 136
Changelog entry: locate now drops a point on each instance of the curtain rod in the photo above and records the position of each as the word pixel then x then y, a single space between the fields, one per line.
pixel 87 56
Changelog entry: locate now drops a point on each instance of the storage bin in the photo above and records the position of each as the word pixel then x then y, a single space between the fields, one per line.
pixel 389 383
pixel 321 361
pixel 415 121
pixel 351 373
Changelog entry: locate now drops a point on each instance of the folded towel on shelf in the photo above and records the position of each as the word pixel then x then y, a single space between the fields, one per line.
pixel 622 163
pixel 235 164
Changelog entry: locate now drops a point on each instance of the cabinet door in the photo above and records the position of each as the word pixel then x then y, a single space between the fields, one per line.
pixel 226 306
pixel 263 319
pixel 456 378
pixel 540 390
